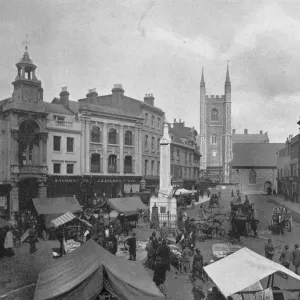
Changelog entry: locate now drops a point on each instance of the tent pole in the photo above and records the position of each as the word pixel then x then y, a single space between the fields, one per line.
pixel 269 281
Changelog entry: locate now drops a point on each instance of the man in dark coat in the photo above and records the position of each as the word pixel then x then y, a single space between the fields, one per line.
pixel 132 246
pixel 32 238
pixel 112 244
pixel 155 244
pixel 159 272
pixel 60 235
pixel 165 253
pixel 269 250
pixel 296 258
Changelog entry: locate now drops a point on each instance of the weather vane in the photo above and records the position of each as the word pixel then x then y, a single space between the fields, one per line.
pixel 25 43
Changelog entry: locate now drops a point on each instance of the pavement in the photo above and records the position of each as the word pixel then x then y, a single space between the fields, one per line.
pixel 22 270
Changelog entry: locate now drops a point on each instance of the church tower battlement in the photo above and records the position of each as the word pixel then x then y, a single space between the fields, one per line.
pixel 215 132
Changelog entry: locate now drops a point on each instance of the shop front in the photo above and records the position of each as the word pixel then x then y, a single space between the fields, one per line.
pixel 152 183
pixel 4 200
pixel 89 190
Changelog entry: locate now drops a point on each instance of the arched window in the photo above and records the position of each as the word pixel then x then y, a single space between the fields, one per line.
pixel 214 115
pixel 214 139
pixel 95 163
pixel 112 164
pixel 178 154
pixel 153 121
pixel 158 145
pixel 95 134
pixel 128 165
pixel 146 167
pixel 112 136
pixel 252 177
pixel 146 119
pixel 28 146
pixel 128 138
pixel 146 142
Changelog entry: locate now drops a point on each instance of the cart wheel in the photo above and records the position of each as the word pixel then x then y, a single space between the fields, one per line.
pixel 222 232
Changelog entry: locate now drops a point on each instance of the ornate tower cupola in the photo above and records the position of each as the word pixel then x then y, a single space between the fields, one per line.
pixel 27 88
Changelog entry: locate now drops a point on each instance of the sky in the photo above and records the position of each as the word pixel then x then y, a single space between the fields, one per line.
pixel 159 47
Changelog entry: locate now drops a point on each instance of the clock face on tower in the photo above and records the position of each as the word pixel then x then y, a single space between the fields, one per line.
pixel 29 95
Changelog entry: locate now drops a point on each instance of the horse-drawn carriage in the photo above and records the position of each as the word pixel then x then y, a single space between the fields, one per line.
pixel 241 216
pixel 281 219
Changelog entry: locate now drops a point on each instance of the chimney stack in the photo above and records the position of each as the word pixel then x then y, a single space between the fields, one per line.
pixel 233 131
pixel 261 132
pixel 149 99
pixel 117 94
pixel 245 131
pixel 64 96
pixel 92 96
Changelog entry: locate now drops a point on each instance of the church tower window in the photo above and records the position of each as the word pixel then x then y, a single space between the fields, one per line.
pixel 214 139
pixel 214 115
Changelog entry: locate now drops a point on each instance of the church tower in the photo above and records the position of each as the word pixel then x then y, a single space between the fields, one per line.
pixel 215 132
pixel 227 135
pixel 202 124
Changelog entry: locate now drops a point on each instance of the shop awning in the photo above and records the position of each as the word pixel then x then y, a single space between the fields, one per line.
pixel 184 192
pixel 48 206
pixel 65 218
pixel 79 275
pixel 127 205
pixel 243 269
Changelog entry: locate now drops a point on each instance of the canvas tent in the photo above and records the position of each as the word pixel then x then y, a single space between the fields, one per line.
pixel 84 272
pixel 127 205
pixel 242 268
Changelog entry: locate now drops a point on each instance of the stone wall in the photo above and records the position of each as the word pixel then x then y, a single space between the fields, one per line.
pixel 262 176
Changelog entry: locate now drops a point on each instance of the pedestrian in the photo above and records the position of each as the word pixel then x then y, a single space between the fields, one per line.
pixel 150 250
pixel 9 243
pixel 155 245
pixel 185 242
pixel 165 230
pixel 165 253
pixel 132 246
pixel 208 192
pixel 186 256
pixel 126 227
pixel 32 238
pixel 112 244
pixel 254 224
pixel 2 240
pixel 197 264
pixel 232 194
pixel 60 236
pixel 286 257
pixel 269 250
pixel 193 236
pixel 296 258
pixel 159 273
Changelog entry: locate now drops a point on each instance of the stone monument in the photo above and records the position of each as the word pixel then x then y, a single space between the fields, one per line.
pixel 165 204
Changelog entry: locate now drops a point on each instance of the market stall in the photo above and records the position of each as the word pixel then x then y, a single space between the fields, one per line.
pixel 80 275
pixel 222 250
pixel 243 269
pixel 52 208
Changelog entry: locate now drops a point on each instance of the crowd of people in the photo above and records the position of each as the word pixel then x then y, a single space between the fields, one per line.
pixel 287 257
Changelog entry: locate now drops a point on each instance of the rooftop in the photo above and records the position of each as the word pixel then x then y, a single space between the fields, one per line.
pixel 255 154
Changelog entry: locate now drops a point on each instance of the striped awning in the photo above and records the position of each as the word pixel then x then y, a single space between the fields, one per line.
pixel 63 219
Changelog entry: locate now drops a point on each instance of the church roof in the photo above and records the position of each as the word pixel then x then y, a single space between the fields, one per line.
pixel 250 138
pixel 255 154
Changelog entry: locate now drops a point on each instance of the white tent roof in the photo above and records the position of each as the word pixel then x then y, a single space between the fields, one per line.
pixel 184 191
pixel 241 269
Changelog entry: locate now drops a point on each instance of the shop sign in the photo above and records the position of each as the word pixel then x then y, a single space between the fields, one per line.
pixel 2 201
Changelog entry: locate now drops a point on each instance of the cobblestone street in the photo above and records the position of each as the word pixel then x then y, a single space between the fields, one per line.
pixel 22 270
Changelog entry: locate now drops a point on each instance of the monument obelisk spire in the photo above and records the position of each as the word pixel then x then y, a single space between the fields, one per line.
pixel 165 186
